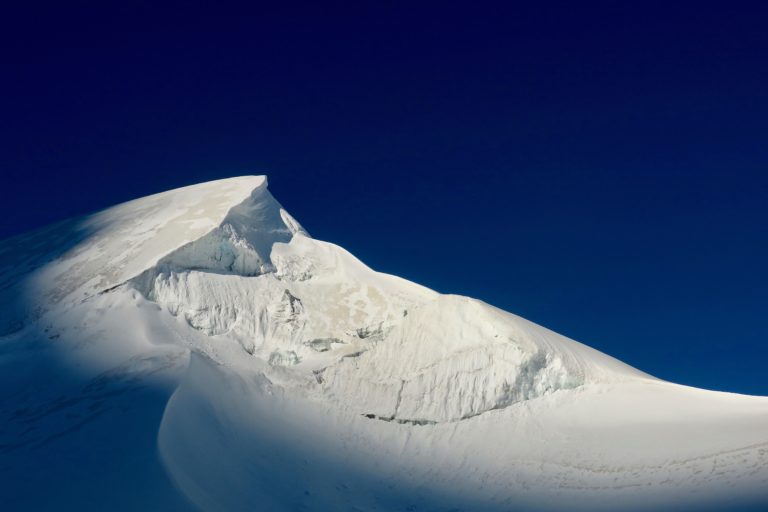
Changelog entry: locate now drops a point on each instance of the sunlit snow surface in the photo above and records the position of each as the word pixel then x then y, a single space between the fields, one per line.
pixel 196 349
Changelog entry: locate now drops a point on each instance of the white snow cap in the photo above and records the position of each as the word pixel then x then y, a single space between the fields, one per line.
pixel 274 371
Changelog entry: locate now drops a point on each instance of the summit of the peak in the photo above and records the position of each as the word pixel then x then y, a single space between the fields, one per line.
pixel 87 255
pixel 236 188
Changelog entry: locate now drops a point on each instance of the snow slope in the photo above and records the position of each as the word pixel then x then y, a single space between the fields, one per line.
pixel 197 349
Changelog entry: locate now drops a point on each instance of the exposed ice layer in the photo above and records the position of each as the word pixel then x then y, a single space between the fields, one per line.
pixel 201 280
pixel 458 361
pixel 454 358
pixel 270 312
pixel 223 249
pixel 462 357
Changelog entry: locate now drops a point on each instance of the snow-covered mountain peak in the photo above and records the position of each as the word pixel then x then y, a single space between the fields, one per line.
pixel 274 371
pixel 81 257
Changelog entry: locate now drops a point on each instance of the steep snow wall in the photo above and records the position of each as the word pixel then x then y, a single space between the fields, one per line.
pixel 313 318
pixel 453 358
pixel 381 347
pixel 240 245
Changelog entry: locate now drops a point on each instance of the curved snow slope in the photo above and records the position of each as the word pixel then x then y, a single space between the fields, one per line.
pixel 273 371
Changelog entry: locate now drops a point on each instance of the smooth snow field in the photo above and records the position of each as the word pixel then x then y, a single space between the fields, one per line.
pixel 198 350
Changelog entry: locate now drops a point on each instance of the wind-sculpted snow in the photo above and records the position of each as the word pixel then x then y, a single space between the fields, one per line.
pixel 398 354
pixel 81 257
pixel 452 358
pixel 271 314
pixel 241 245
pixel 272 371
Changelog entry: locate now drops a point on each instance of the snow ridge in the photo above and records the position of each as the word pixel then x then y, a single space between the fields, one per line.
pixel 274 371
pixel 296 302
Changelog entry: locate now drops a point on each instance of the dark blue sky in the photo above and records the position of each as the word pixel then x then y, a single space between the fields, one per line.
pixel 599 168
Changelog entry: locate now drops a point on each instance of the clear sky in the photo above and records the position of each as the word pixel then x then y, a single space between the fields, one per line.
pixel 599 168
